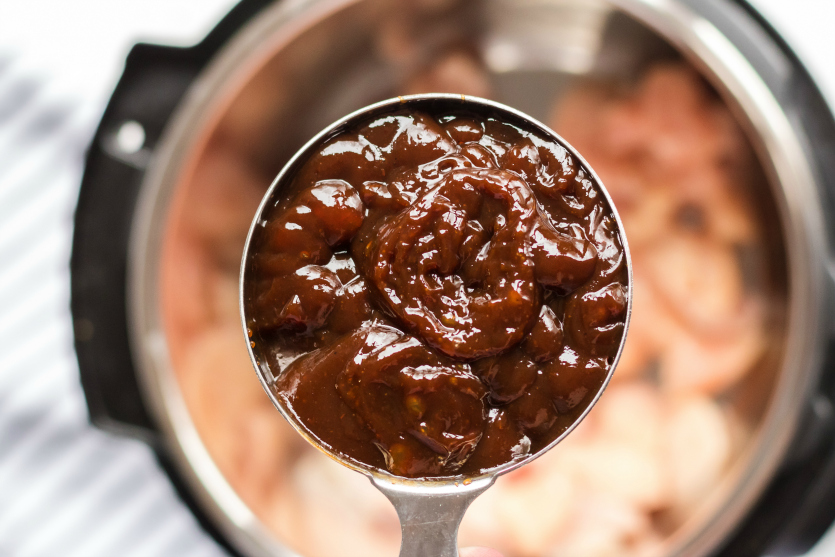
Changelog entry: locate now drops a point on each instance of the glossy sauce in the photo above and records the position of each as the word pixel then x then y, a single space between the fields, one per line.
pixel 437 294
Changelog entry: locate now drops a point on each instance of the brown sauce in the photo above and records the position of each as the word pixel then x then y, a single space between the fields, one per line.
pixel 437 294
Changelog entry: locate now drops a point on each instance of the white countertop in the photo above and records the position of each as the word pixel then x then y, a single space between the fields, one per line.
pixel 62 481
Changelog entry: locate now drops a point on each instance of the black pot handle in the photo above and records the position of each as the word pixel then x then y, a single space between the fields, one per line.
pixel 154 81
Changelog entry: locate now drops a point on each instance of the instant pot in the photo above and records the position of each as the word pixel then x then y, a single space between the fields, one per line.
pixel 780 497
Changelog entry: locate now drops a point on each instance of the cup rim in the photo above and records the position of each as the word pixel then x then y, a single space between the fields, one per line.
pixel 437 102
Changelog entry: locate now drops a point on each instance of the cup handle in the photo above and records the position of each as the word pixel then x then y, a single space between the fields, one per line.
pixel 430 514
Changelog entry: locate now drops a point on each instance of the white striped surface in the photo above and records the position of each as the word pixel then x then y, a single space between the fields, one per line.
pixel 66 489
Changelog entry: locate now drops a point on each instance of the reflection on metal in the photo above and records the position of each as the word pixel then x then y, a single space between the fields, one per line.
pixel 544 35
pixel 127 144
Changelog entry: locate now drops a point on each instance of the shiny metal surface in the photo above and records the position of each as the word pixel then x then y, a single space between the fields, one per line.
pixel 429 518
pixel 286 38
pixel 445 498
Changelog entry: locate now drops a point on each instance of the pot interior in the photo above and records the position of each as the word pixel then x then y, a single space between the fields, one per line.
pixel 659 457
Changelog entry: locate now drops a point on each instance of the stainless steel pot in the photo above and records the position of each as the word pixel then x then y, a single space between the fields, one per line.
pixel 319 62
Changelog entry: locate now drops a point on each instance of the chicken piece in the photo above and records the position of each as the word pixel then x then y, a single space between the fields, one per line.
pixel 266 442
pixel 185 297
pixel 729 219
pixel 673 120
pixel 579 115
pixel 214 210
pixel 649 219
pixel 692 316
pixel 332 510
pixel 395 41
pixel 710 203
pixel 457 72
pixel 622 471
pixel 650 320
pixel 602 526
pixel 224 295
pixel 482 525
pixel 700 280
pixel 668 141
pixel 740 428
pixel 649 544
pixel 661 212
pixel 628 186
pixel 523 513
pixel 698 449
pixel 241 430
pixel 253 122
pixel 591 495
pixel 220 202
pixel 694 364
pixel 632 413
pixel 479 552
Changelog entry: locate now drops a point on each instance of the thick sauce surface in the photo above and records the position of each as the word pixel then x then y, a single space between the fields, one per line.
pixel 437 294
